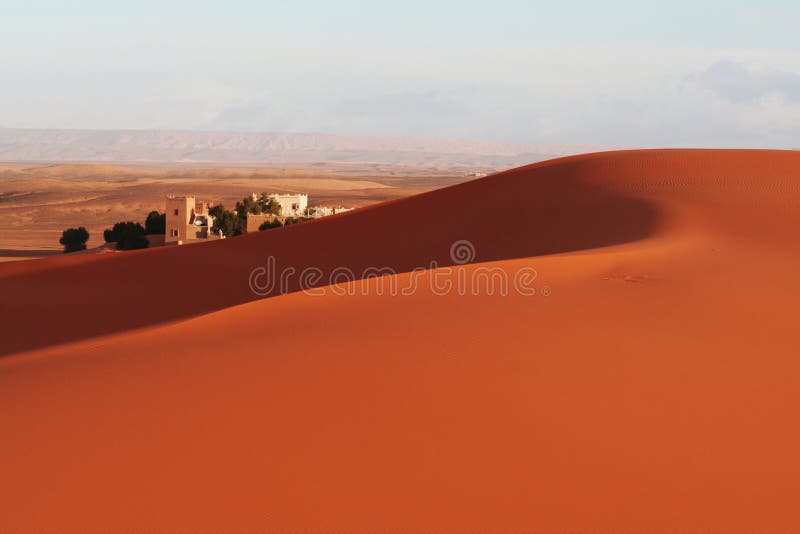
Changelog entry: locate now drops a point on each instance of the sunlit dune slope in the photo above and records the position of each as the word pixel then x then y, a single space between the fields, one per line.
pixel 649 384
pixel 545 209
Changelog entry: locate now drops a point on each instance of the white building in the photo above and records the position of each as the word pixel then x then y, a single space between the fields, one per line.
pixel 296 205
pixel 292 205
pixel 324 211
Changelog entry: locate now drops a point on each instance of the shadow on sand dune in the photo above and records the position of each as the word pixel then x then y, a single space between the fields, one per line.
pixel 554 207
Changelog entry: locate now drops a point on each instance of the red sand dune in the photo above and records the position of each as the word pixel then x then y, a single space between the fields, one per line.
pixel 651 384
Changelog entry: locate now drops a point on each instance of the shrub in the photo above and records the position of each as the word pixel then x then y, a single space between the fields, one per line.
pixel 127 235
pixel 227 222
pixel 74 239
pixel 156 223
pixel 295 220
pixel 266 225
pixel 133 241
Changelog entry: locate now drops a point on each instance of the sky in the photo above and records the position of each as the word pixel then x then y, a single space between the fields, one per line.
pixel 622 73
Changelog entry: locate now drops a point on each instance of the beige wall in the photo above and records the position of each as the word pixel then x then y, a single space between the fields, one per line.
pixel 254 221
pixel 179 211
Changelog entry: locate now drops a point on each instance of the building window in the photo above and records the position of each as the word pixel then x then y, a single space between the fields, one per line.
pixel 176 212
pixel 174 233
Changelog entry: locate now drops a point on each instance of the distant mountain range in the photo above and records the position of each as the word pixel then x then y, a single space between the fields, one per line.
pixel 227 147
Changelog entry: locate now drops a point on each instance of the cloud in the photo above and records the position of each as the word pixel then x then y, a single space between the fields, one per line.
pixel 585 97
pixel 739 83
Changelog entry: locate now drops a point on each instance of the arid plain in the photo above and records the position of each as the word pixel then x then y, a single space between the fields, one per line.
pixel 39 200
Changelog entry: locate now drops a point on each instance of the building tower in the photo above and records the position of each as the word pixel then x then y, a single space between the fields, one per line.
pixel 180 219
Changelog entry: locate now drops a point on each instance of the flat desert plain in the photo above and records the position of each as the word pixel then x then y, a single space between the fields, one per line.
pixel 642 378
pixel 40 200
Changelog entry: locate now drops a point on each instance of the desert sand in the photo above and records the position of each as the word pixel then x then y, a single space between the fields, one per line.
pixel 649 384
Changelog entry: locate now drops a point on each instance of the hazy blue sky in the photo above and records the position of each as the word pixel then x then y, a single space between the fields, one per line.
pixel 679 73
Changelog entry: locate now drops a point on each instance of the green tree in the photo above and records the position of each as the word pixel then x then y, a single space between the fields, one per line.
pixel 216 211
pixel 230 223
pixel 127 235
pixel 74 239
pixel 269 205
pixel 156 223
pixel 248 205
pixel 227 222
